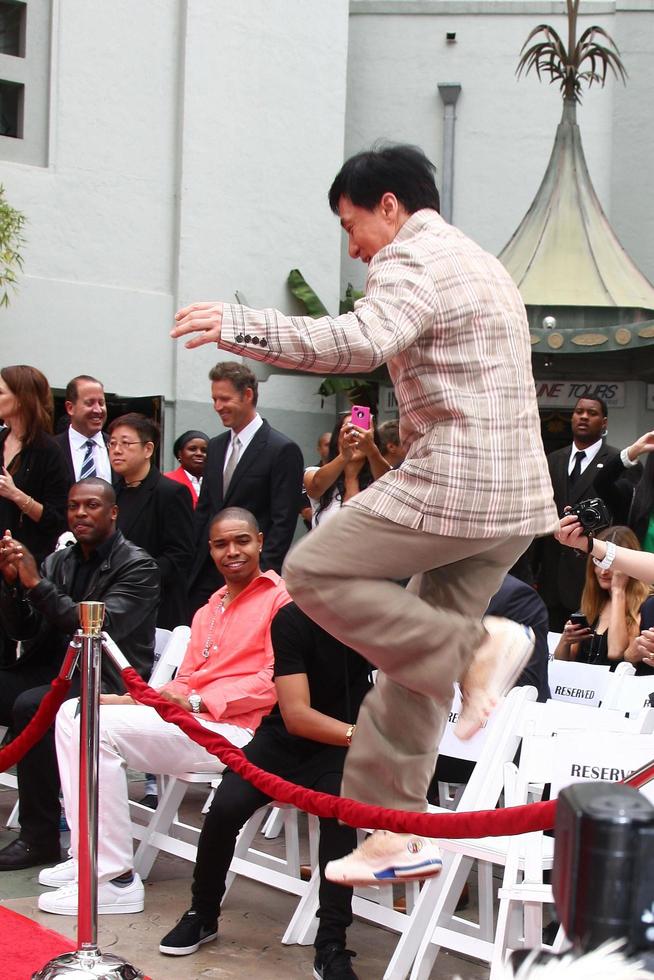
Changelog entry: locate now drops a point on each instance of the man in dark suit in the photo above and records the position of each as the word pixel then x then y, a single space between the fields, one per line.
pixel 560 572
pixel 251 466
pixel 153 512
pixel 83 444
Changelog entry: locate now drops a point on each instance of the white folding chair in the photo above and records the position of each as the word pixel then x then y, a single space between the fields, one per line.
pixel 631 694
pixel 164 831
pixel 576 682
pixel 445 930
pixel 572 757
pixel 496 744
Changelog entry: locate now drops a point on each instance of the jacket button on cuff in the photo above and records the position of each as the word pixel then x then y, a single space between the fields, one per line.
pixel 239 338
pixel 263 342
pixel 248 338
pixel 255 340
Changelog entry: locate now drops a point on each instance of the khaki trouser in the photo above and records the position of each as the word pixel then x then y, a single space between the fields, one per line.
pixel 421 638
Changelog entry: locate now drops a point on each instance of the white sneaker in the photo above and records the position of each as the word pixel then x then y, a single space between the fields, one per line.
pixel 112 899
pixel 494 668
pixel 384 858
pixel 61 874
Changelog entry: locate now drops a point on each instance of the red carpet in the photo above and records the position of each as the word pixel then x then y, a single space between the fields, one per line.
pixel 25 946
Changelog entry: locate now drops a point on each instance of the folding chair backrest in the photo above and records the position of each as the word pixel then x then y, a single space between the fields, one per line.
pixel 171 657
pixel 583 757
pixel 496 744
pixel 575 682
pixel 633 694
pixel 554 716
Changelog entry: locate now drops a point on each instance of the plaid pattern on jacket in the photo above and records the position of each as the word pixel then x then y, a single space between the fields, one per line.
pixel 449 321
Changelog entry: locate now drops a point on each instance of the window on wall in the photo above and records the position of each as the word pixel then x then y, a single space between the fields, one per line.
pixel 25 35
pixel 12 28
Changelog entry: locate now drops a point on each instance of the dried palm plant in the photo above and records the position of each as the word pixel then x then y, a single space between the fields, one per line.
pixel 581 63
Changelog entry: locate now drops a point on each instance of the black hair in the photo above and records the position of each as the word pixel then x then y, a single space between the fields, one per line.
pixel 236 514
pixel 108 491
pixel 146 429
pixel 593 398
pixel 72 392
pixel 400 169
pixel 187 436
pixel 238 374
pixel 338 486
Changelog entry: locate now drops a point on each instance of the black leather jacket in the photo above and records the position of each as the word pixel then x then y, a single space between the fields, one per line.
pixel 44 618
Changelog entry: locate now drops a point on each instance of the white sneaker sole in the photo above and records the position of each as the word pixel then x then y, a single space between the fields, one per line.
pixel 389 876
pixel 129 908
pixel 187 950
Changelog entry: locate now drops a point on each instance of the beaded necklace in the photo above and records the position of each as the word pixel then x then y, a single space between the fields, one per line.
pixel 208 648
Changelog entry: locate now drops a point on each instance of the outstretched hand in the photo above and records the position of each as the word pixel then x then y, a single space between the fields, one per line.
pixel 644 444
pixel 203 319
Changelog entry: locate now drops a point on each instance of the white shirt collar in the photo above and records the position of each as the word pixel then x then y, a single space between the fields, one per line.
pixel 79 441
pixel 591 453
pixel 247 434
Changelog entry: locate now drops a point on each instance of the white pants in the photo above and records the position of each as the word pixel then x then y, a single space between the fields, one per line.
pixel 136 737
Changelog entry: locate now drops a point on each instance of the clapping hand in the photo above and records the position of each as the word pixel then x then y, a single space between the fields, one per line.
pixel 645 647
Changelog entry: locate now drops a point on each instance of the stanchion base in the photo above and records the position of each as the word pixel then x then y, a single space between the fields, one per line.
pixel 88 965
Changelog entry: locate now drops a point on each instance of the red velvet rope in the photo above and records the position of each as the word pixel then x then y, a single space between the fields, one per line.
pixel 38 726
pixel 482 823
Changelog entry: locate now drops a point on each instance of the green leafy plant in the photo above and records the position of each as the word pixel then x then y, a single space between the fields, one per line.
pixel 359 391
pixel 11 242
pixel 581 62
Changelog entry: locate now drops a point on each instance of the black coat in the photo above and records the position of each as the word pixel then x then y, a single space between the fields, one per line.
pixel 520 602
pixel 268 482
pixel 42 475
pixel 45 618
pixel 162 524
pixel 561 572
pixel 64 442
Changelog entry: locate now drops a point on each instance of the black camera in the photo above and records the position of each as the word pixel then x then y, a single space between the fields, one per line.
pixel 593 514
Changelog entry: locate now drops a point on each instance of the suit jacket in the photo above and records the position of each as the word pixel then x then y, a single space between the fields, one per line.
pixel 267 481
pixel 449 322
pixel 561 572
pixel 162 524
pixel 64 443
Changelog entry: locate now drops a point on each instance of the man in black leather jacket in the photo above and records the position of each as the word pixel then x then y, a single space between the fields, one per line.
pixel 40 608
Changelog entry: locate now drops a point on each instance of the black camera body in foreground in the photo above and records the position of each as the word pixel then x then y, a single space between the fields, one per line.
pixel 603 876
pixel 593 514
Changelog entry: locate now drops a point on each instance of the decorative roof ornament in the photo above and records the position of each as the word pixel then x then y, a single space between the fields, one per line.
pixel 564 256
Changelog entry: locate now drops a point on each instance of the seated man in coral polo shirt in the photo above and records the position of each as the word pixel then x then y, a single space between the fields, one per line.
pixel 226 679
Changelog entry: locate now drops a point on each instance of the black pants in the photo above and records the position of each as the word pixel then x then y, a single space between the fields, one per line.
pixel 38 774
pixel 234 803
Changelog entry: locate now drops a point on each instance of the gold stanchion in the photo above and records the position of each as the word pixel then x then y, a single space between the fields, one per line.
pixel 88 963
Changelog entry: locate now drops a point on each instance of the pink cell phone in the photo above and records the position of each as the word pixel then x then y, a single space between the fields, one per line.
pixel 360 416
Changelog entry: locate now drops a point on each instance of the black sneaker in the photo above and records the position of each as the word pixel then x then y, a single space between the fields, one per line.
pixel 188 935
pixel 332 962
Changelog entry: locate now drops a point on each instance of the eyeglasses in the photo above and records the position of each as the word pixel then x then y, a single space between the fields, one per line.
pixel 124 444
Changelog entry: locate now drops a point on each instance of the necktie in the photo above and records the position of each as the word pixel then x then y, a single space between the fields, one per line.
pixel 88 465
pixel 231 463
pixel 576 469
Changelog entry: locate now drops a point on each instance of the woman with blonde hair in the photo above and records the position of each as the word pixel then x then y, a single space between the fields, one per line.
pixel 611 603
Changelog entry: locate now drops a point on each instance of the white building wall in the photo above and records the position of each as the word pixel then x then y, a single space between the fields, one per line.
pixel 191 144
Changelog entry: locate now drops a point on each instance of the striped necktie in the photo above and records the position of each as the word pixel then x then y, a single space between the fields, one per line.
pixel 88 466
pixel 232 463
